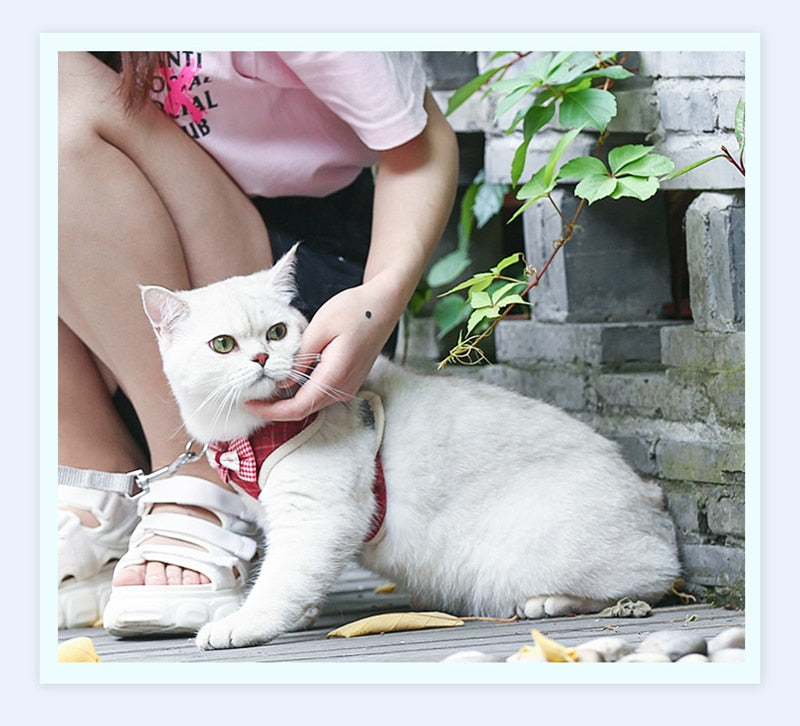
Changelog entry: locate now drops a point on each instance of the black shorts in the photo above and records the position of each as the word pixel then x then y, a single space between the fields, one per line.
pixel 334 233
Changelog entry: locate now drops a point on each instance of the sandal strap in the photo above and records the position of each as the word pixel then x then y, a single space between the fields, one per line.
pixel 193 491
pixel 197 531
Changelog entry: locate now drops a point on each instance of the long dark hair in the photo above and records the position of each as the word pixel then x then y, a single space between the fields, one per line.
pixel 139 74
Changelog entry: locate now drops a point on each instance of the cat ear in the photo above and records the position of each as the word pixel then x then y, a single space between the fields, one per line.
pixel 281 274
pixel 164 309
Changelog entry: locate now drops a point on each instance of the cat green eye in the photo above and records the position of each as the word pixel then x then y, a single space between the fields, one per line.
pixel 277 331
pixel 222 344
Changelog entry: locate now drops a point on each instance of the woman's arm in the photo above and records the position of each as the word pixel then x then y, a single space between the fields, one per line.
pixel 414 194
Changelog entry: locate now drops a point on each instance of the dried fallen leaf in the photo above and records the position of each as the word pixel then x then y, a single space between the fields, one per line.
pixel 393 622
pixel 554 652
pixel 77 650
pixel 385 589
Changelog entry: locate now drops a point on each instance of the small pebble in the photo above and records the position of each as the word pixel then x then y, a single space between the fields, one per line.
pixel 730 638
pixel 728 655
pixel 638 657
pixel 586 655
pixel 611 647
pixel 673 643
pixel 473 656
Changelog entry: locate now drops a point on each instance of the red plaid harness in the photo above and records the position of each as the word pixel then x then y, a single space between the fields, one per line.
pixel 240 460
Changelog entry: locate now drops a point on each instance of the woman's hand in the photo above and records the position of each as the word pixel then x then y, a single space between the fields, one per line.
pixel 348 333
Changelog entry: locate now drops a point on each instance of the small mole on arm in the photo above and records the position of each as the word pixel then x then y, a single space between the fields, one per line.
pixel 368 313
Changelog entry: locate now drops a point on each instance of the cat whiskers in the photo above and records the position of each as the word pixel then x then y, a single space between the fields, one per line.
pixel 222 399
pixel 303 376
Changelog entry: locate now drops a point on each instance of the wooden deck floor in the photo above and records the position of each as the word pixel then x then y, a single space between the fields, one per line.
pixel 354 597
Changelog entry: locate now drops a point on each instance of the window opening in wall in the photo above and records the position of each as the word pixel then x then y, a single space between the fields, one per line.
pixel 677 202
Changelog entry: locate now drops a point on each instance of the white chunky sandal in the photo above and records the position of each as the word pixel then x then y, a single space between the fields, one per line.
pixel 224 553
pixel 87 555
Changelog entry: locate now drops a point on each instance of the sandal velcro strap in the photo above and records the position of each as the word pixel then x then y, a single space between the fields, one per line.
pixel 189 528
pixel 192 491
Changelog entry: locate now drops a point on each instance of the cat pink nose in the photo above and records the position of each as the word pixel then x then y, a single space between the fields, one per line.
pixel 261 358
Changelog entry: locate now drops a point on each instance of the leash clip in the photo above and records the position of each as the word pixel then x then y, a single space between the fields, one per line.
pixel 140 482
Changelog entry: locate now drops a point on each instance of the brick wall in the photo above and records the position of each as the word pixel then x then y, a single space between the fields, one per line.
pixel 605 339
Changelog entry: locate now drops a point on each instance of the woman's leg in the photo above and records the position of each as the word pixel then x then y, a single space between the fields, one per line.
pixel 139 203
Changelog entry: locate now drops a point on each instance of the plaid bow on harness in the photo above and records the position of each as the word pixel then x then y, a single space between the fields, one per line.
pixel 238 461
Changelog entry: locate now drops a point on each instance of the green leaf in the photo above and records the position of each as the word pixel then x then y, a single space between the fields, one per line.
pixel 469 88
pixel 511 100
pixel 595 187
pixel 738 124
pixel 557 153
pixel 448 268
pixel 477 317
pixel 620 156
pixel 480 299
pixel 615 73
pixel 466 216
pixel 536 187
pixel 450 314
pixel 506 262
pixel 535 118
pixel 488 202
pixel 635 186
pixel 477 282
pixel 506 290
pixel 649 165
pixel 589 107
pixel 582 166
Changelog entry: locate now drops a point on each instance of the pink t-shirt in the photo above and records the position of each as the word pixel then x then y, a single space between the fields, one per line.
pixel 296 123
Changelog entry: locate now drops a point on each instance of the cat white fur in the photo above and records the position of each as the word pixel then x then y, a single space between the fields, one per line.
pixel 497 504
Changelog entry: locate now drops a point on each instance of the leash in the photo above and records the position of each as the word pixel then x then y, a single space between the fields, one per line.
pixel 132 484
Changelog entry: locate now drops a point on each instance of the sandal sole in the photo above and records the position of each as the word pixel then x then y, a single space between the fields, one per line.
pixel 134 611
pixel 81 602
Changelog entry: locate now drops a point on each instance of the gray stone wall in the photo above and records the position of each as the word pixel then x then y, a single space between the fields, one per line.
pixel 670 392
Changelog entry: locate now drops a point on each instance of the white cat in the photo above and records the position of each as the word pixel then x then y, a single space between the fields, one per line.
pixel 495 504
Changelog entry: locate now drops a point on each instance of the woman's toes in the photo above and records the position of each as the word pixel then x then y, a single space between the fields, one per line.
pixel 133 575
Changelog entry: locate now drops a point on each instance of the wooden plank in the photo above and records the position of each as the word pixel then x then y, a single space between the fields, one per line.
pixel 354 597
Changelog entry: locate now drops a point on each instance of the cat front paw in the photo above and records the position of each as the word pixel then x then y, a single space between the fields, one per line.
pixel 236 630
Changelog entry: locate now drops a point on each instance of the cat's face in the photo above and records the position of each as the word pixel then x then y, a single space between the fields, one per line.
pixel 225 344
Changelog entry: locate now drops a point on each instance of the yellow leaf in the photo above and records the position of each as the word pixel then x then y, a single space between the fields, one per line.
pixel 554 652
pixel 77 650
pixel 385 589
pixel 392 622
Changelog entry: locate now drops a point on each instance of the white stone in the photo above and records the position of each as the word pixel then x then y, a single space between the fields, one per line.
pixel 730 638
pixel 611 647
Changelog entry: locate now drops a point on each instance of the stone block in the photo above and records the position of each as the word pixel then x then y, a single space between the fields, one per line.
pixel 684 346
pixel 715 254
pixel 725 513
pixel 637 112
pixel 703 459
pixel 713 565
pixel 691 64
pixel 687 106
pixel 594 344
pixel 726 391
pixel 650 395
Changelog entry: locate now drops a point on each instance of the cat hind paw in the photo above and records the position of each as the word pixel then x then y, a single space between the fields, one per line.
pixel 553 606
